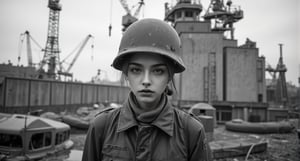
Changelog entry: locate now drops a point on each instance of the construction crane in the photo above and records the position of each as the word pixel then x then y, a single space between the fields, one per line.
pixel 28 45
pixel 128 19
pixel 81 46
pixel 51 55
pixel 51 52
pixel 272 71
pixel 224 16
pixel 279 84
pixel 28 39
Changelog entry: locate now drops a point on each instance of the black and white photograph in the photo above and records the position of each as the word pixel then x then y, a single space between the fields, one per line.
pixel 141 80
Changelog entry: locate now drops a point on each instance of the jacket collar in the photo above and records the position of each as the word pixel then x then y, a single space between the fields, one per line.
pixel 164 121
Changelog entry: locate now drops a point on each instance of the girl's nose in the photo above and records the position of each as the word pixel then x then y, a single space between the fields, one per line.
pixel 146 80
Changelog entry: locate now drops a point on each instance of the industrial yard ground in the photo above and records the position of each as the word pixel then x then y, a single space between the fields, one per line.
pixel 281 147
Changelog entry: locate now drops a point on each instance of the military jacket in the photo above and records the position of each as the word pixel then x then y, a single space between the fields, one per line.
pixel 173 136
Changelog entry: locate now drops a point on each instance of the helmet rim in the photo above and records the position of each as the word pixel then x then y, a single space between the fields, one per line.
pixel 120 60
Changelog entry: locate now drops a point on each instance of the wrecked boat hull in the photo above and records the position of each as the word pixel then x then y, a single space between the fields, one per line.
pixel 259 128
pixel 75 122
pixel 26 138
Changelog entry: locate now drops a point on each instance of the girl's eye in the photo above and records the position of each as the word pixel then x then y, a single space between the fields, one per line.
pixel 158 71
pixel 135 70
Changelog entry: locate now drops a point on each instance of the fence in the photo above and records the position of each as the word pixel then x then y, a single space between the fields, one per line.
pixel 22 95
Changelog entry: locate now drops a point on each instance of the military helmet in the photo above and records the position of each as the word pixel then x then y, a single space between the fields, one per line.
pixel 150 36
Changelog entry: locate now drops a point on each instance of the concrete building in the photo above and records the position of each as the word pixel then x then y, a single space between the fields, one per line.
pixel 219 72
pixel 10 70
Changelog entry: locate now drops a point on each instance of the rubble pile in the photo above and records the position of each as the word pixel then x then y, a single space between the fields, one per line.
pixel 82 117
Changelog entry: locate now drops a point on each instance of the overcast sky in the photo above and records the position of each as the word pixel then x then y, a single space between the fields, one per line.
pixel 267 22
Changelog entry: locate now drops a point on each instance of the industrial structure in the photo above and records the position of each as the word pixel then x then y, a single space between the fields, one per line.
pixel 29 51
pixel 129 17
pixel 277 90
pixel 51 56
pixel 10 70
pixel 223 16
pixel 67 71
pixel 228 76
pixel 51 66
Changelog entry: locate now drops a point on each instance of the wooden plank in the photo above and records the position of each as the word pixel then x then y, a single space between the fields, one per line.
pixel 16 93
pixel 234 148
pixel 40 93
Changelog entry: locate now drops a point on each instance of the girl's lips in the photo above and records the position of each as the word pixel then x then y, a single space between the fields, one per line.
pixel 146 91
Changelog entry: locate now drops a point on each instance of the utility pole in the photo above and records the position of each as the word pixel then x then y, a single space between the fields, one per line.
pixel 282 95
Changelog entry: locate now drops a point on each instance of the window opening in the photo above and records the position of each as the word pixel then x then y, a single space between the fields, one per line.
pixel 40 140
pixel 10 140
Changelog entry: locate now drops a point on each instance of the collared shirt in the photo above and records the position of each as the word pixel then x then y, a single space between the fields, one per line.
pixel 173 136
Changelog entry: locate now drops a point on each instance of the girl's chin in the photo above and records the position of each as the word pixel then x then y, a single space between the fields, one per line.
pixel 147 100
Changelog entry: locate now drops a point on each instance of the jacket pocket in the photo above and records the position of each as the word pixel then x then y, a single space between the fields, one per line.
pixel 115 153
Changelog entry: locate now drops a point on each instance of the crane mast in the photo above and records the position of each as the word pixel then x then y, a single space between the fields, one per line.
pixel 51 55
pixel 29 51
pixel 282 95
pixel 28 48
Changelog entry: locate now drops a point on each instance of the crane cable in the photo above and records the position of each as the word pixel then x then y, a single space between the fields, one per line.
pixel 20 46
pixel 80 45
pixel 71 53
pixel 110 18
pixel 92 49
pixel 37 44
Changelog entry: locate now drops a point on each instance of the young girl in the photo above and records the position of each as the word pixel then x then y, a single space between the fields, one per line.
pixel 147 127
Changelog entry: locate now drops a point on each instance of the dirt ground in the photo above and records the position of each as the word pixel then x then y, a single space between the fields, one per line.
pixel 281 147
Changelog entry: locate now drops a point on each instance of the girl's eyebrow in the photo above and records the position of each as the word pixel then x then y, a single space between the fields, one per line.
pixel 159 65
pixel 133 63
pixel 140 65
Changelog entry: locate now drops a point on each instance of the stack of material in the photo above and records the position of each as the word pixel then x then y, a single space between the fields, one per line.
pixel 208 123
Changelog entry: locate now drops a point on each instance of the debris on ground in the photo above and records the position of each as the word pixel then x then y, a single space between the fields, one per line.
pixel 82 117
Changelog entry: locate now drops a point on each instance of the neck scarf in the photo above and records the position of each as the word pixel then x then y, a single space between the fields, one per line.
pixel 143 116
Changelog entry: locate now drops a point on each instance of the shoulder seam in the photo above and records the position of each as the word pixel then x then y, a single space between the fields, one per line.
pixel 106 110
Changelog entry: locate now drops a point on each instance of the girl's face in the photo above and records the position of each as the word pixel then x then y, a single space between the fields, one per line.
pixel 148 77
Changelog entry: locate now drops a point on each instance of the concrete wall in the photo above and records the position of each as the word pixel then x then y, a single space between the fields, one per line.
pixel 20 93
pixel 241 74
pixel 8 70
pixel 195 50
pixel 58 93
pixel 15 93
pixel 192 27
pixel 229 43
